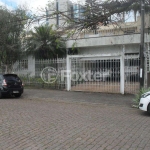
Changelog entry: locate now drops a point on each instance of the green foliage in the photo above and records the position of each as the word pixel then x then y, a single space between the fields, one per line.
pixel 36 82
pixel 138 95
pixel 45 43
pixel 70 33
pixel 11 28
pixel 27 79
pixel 74 45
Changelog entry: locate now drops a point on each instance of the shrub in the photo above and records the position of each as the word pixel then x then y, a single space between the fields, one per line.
pixel 138 95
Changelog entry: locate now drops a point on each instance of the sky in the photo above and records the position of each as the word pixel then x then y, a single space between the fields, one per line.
pixel 31 4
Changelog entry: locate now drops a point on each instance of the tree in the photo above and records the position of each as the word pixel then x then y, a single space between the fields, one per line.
pixel 11 29
pixel 99 12
pixel 45 43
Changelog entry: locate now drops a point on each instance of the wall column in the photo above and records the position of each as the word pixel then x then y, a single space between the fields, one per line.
pixel 68 61
pixel 122 72
pixel 31 65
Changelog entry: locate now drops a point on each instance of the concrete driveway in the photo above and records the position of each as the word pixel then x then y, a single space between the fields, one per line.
pixel 59 120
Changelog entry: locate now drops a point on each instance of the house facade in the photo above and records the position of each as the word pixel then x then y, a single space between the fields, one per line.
pixel 111 39
pixel 115 49
pixel 105 60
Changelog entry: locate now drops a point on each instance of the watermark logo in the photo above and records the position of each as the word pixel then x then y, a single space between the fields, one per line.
pixel 49 75
pixel 84 76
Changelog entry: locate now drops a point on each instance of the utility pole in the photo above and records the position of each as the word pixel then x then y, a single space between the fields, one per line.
pixel 142 44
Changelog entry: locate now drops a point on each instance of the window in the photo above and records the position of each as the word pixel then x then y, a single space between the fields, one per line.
pixel 12 77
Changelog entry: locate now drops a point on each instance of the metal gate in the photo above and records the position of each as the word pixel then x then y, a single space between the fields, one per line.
pixel 95 75
pixel 132 65
pixel 118 74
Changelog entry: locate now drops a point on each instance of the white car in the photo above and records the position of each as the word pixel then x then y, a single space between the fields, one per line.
pixel 145 102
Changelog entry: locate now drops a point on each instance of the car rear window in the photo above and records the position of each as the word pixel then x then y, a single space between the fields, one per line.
pixel 12 77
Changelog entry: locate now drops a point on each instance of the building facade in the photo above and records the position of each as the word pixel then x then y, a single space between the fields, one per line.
pixel 110 39
pixel 73 10
pixel 113 51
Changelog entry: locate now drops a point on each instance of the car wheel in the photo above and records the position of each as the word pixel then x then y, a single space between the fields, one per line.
pixel 17 95
pixel 148 108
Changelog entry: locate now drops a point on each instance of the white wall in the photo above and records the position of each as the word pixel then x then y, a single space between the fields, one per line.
pixel 106 40
pixel 109 44
pixel 19 68
pixel 31 65
pixel 109 49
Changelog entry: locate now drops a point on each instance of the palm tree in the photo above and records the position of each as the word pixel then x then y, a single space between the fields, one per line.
pixel 45 43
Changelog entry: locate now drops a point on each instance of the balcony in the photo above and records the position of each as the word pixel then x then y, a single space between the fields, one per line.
pixel 98 41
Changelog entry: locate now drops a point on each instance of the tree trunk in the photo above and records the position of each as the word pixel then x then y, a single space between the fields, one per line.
pixel 8 69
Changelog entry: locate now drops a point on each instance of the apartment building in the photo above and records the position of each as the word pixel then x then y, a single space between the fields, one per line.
pixel 73 10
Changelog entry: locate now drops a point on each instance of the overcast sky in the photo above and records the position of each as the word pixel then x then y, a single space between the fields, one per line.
pixel 32 4
pixel 29 3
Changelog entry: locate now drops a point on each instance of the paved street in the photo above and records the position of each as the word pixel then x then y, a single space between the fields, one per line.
pixel 87 97
pixel 59 120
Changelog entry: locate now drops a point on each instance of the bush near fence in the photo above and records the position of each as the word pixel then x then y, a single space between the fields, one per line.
pixel 37 82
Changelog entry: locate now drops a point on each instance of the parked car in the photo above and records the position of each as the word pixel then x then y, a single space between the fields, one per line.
pixel 10 85
pixel 145 102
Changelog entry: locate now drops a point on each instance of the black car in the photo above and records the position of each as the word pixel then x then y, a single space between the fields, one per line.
pixel 10 85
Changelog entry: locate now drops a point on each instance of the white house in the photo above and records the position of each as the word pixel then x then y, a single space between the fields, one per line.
pixel 106 60
pixel 115 48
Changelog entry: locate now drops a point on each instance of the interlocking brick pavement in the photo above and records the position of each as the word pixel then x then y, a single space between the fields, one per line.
pixel 44 123
pixel 88 97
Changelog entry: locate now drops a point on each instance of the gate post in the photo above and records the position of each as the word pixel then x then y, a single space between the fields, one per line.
pixel 31 65
pixel 122 73
pixel 68 61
